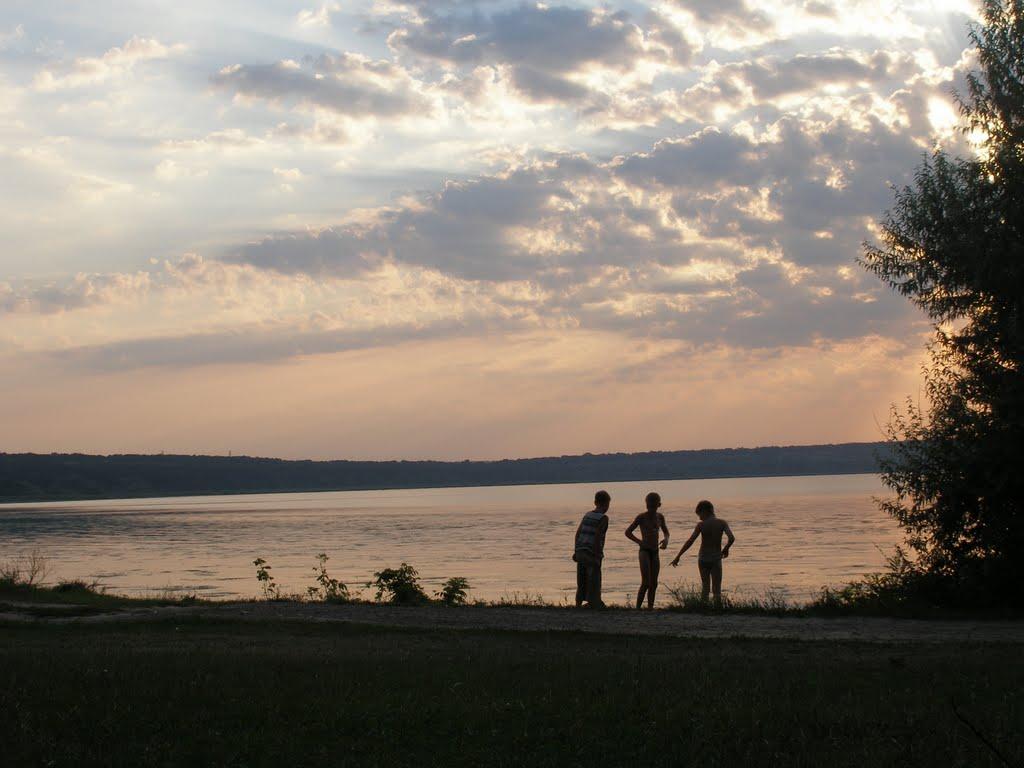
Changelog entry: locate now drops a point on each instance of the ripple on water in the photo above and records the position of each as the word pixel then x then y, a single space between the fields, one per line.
pixel 792 532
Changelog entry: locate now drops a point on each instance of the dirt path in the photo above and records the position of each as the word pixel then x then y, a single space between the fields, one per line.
pixel 616 622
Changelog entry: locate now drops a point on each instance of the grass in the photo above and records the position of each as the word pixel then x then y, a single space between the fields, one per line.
pixel 878 594
pixel 83 594
pixel 232 694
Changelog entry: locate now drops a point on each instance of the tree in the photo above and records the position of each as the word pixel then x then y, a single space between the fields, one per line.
pixel 953 243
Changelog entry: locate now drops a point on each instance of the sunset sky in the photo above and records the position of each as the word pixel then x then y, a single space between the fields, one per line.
pixel 457 229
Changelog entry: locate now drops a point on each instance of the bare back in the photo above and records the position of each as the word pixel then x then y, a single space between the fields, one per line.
pixel 711 530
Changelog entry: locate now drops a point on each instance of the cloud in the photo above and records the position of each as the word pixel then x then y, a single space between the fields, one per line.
pixel 722 13
pixel 171 170
pixel 547 50
pixel 718 237
pixel 80 292
pixel 15 35
pixel 346 84
pixel 251 345
pixel 116 62
pixel 319 17
pixel 227 139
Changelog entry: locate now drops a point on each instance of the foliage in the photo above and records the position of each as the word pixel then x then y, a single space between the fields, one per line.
pixel 903 587
pixel 454 591
pixel 29 570
pixel 523 600
pixel 772 600
pixel 954 245
pixel 270 589
pixel 400 585
pixel 326 588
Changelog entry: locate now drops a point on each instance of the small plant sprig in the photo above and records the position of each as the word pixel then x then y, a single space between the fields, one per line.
pixel 401 585
pixel 270 589
pixel 453 592
pixel 326 588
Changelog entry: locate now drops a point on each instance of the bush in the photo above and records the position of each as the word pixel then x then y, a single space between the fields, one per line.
pixel 76 585
pixel 28 571
pixel 326 588
pixel 454 591
pixel 905 587
pixel 270 589
pixel 401 585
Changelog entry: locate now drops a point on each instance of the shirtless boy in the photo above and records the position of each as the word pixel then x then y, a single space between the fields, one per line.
pixel 649 523
pixel 711 554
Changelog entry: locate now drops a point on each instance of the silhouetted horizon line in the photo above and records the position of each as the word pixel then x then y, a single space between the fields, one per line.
pixel 542 457
pixel 30 477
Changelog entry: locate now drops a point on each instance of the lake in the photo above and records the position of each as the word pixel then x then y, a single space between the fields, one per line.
pixel 793 533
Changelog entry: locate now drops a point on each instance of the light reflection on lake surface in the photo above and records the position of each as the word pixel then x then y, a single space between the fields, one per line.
pixel 795 533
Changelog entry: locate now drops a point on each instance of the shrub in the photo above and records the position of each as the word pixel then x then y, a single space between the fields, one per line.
pixel 28 571
pixel 453 592
pixel 326 588
pixel 270 589
pixel 903 587
pixel 401 585
pixel 76 585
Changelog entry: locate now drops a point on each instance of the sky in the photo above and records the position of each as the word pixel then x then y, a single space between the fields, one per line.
pixel 459 229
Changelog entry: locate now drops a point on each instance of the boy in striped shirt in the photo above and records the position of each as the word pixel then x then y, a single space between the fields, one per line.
pixel 589 552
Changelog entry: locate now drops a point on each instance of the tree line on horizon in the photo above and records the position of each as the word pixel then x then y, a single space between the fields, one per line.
pixel 25 477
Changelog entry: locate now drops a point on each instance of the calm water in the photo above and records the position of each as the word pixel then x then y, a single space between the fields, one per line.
pixel 795 533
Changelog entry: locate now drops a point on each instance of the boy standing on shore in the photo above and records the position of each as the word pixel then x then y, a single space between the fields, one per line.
pixel 711 554
pixel 589 551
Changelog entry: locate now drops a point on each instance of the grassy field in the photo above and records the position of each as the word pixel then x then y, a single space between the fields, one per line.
pixel 230 694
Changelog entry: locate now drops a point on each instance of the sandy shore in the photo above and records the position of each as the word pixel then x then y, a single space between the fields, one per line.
pixel 522 619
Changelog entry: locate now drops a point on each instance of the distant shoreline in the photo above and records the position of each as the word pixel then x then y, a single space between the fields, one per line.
pixel 6 502
pixel 29 478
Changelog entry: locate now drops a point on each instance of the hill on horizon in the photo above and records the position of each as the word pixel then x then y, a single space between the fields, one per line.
pixel 26 477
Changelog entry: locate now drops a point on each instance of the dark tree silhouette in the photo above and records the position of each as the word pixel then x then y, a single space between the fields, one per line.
pixel 954 245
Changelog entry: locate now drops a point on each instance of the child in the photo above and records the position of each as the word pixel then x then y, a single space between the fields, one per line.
pixel 589 552
pixel 649 523
pixel 709 559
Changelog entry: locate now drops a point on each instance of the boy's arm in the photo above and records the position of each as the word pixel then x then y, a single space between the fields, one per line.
pixel 688 544
pixel 664 528
pixel 602 529
pixel 728 533
pixel 632 527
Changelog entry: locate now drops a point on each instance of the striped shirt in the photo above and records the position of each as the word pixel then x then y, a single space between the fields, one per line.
pixel 589 531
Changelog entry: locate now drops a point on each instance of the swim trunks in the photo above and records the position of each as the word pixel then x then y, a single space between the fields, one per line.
pixel 653 554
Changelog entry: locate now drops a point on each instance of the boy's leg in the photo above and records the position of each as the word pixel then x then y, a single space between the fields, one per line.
pixel 581 583
pixel 594 585
pixel 705 580
pixel 652 585
pixel 716 583
pixel 645 576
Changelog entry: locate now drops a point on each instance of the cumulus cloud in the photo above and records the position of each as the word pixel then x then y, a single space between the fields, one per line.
pixel 116 62
pixel 317 17
pixel 546 50
pixel 346 84
pixel 732 13
pixel 762 172
pixel 718 237
pixel 82 291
